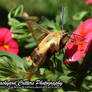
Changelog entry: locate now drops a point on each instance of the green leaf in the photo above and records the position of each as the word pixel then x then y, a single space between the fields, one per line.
pixel 31 43
pixel 47 23
pixel 42 71
pixel 80 15
pixel 50 75
pixel 13 22
pixel 20 18
pixel 13 66
pixel 64 78
pixel 17 11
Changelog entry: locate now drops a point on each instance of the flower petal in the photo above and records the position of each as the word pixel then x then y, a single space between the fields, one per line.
pixel 78 42
pixel 88 2
pixel 5 35
pixel 13 47
pixel 6 42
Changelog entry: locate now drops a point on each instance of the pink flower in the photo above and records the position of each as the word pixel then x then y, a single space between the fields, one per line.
pixel 6 42
pixel 88 2
pixel 28 58
pixel 79 42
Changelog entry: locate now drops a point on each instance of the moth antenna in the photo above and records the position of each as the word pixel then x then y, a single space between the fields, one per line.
pixel 62 17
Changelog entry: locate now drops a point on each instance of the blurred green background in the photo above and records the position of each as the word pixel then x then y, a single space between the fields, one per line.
pixel 48 8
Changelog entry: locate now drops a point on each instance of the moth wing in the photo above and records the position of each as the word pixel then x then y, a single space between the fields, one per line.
pixel 38 32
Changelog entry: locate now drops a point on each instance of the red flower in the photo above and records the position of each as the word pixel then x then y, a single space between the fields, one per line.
pixel 88 2
pixel 79 42
pixel 6 42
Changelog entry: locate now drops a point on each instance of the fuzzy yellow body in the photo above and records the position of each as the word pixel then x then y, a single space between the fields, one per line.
pixel 52 39
pixel 49 44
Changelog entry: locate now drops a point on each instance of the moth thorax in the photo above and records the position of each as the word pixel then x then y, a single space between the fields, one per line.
pixel 63 39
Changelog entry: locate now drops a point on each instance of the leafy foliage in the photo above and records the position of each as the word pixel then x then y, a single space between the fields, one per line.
pixel 13 67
